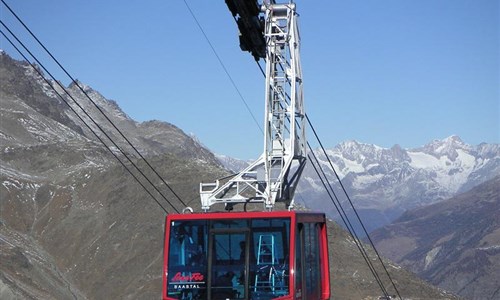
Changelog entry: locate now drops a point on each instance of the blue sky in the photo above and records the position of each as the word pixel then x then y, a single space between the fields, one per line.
pixel 384 72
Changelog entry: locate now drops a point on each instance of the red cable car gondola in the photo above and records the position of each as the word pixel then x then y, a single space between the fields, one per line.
pixel 246 255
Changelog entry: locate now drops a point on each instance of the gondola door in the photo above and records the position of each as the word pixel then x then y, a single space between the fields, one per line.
pixel 228 264
pixel 310 275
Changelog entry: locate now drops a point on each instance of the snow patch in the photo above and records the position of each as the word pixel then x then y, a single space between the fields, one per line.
pixel 314 184
pixel 449 174
pixel 353 166
pixel 420 160
pixel 362 181
pixel 493 247
pixel 12 184
pixel 429 258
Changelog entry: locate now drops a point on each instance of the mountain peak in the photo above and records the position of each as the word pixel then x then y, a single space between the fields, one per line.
pixel 446 147
pixel 357 146
pixel 77 84
pixel 453 139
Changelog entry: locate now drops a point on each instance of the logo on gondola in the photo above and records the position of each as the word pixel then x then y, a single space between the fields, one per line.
pixel 198 277
pixel 191 281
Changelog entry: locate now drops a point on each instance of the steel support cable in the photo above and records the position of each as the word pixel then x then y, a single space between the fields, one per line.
pixel 81 108
pixel 92 101
pixel 346 221
pixel 83 121
pixel 222 65
pixel 260 67
pixel 340 209
pixel 353 208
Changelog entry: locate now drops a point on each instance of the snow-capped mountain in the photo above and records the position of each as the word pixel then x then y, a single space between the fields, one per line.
pixel 385 182
pixel 233 164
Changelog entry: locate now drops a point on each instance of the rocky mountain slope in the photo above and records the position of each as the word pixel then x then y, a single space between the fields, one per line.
pixel 75 225
pixel 454 244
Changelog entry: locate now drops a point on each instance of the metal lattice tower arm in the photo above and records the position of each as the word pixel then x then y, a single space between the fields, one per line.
pixel 274 176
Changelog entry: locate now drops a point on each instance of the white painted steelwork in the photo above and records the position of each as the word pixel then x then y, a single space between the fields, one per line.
pixel 274 176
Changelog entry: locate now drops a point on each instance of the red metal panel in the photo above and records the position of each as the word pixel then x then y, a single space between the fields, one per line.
pixel 325 265
pixel 230 215
pixel 293 239
pixel 307 217
pixel 165 258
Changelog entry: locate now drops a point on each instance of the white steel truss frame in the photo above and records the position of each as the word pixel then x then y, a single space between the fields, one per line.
pixel 274 176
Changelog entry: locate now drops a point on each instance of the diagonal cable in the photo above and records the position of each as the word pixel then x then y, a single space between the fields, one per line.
pixel 83 121
pixel 90 99
pixel 353 208
pixel 72 98
pixel 345 219
pixel 222 65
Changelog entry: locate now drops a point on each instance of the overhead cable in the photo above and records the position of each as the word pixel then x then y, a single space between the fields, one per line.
pixel 81 108
pixel 223 66
pixel 345 219
pixel 93 102
pixel 352 206
pixel 81 119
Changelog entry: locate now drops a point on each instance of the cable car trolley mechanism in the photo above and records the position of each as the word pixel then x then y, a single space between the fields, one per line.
pixel 266 254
